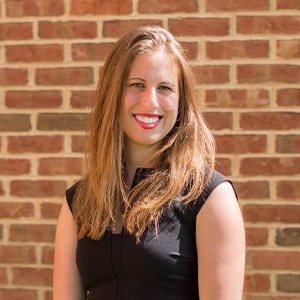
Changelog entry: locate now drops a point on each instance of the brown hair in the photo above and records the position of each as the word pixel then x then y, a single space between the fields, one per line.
pixel 181 161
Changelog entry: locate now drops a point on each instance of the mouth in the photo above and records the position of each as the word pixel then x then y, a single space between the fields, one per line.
pixel 148 121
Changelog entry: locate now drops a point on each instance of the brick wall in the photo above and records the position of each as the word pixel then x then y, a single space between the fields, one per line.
pixel 247 61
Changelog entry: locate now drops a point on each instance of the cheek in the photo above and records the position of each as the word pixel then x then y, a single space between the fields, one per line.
pixel 124 112
pixel 126 106
pixel 171 107
pixel 129 101
pixel 125 103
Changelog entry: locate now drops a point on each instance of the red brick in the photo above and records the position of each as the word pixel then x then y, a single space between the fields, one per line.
pixel 288 189
pixel 16 31
pixel 49 295
pixel 78 143
pixel 287 143
pixel 275 260
pixel 237 98
pixel 169 6
pixel 17 254
pixel 288 283
pixel 16 210
pixel 211 74
pixel 286 214
pixel 199 26
pixel 237 49
pixel 270 120
pixel 270 166
pixel 67 30
pixel 32 276
pixel 2 192
pixel 38 188
pixel 14 166
pixel 91 52
pixel 17 294
pixel 288 4
pixel 50 210
pixel 288 48
pixel 191 49
pixel 235 143
pixel 288 97
pixel 117 28
pixel 257 236
pixel 3 279
pixel 34 8
pixel 224 166
pixel 257 283
pixel 220 5
pixel 60 166
pixel 103 7
pixel 32 233
pixel 218 120
pixel 65 76
pixel 253 189
pixel 268 73
pixel 35 144
pixel 82 99
pixel 33 99
pixel 34 53
pixel 288 236
pixel 62 121
pixel 21 122
pixel 48 255
pixel 9 77
pixel 268 24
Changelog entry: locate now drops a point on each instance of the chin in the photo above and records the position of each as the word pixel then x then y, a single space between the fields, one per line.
pixel 144 142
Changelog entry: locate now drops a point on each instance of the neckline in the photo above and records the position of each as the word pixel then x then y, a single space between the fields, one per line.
pixel 140 173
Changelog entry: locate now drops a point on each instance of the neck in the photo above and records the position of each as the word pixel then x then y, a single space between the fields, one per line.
pixel 138 156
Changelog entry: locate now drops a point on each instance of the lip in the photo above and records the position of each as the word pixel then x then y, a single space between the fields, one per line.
pixel 147 121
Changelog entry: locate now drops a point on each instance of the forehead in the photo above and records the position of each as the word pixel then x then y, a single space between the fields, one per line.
pixel 154 63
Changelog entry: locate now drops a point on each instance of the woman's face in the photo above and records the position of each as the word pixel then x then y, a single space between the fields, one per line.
pixel 151 99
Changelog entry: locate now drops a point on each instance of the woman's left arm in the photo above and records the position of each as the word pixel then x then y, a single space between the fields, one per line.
pixel 220 238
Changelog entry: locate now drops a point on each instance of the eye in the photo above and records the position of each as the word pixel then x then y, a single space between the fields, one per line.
pixel 165 88
pixel 136 85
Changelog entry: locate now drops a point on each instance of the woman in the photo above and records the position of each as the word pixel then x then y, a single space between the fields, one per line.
pixel 151 219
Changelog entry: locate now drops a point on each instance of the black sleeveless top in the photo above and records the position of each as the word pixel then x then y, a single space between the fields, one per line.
pixel 160 267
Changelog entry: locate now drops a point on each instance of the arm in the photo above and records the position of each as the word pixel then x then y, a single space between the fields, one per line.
pixel 220 242
pixel 67 283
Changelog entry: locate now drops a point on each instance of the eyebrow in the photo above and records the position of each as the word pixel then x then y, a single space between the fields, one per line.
pixel 137 78
pixel 143 80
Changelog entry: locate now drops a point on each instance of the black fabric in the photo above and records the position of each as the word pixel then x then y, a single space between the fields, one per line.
pixel 160 267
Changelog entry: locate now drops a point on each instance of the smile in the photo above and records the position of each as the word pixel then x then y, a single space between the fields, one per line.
pixel 148 121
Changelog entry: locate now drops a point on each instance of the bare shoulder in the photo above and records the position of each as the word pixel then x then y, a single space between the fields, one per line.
pixel 66 218
pixel 220 241
pixel 222 202
pixel 221 214
pixel 67 283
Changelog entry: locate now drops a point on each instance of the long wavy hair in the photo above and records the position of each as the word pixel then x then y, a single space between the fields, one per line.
pixel 186 153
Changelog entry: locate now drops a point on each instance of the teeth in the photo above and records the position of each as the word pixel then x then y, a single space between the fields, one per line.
pixel 147 120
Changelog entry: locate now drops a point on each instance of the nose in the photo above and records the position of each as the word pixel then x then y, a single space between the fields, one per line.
pixel 150 98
